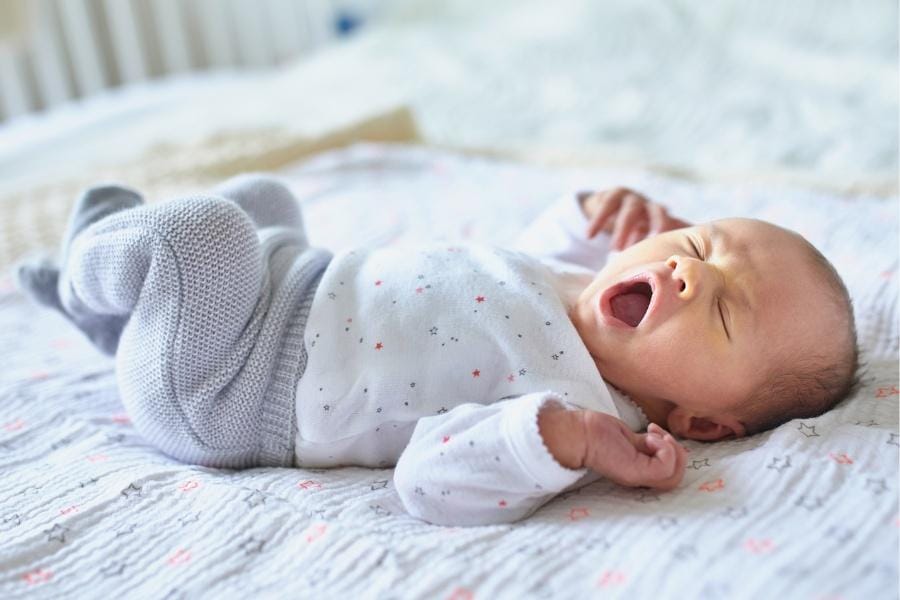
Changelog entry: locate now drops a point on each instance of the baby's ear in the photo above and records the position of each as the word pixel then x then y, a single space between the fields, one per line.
pixel 685 424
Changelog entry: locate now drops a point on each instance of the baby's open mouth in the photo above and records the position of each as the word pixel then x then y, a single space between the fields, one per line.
pixel 631 303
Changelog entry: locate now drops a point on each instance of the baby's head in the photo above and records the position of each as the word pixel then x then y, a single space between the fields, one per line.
pixel 723 329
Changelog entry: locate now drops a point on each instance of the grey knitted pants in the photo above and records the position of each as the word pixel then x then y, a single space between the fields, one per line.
pixel 213 291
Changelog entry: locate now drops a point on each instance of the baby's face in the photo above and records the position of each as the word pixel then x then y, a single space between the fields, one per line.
pixel 689 322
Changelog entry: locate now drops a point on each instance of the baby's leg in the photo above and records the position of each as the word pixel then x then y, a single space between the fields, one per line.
pixel 190 276
pixel 266 199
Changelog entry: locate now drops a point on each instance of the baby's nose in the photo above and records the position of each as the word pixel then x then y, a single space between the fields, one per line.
pixel 685 276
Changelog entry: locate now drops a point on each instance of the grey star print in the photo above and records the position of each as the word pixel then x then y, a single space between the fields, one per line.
pixel 57 533
pixel 252 545
pixel 379 484
pixel 876 486
pixel 699 464
pixel 113 569
pixel 810 503
pixel 132 491
pixel 780 464
pixel 255 499
pixel 807 430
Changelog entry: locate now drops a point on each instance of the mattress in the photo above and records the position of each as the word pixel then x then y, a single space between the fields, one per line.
pixel 808 510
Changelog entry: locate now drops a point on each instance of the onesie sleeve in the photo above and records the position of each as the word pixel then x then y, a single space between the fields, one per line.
pixel 559 233
pixel 481 464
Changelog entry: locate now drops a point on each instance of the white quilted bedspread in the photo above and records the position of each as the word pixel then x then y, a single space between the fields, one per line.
pixel 810 510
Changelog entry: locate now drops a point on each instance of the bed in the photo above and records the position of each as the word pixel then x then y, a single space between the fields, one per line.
pixel 87 509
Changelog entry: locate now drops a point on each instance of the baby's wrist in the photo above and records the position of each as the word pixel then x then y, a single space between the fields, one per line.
pixel 563 434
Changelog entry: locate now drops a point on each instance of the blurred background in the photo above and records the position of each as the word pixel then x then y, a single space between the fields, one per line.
pixel 806 90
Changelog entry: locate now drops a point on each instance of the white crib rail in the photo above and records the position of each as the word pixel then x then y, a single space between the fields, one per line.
pixel 74 48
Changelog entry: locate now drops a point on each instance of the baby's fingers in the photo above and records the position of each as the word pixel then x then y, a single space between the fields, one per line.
pixel 609 203
pixel 630 217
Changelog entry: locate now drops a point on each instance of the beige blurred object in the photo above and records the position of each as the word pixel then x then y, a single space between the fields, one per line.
pixel 13 20
pixel 33 220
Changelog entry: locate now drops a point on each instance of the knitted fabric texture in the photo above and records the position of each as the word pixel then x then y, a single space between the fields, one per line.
pixel 208 362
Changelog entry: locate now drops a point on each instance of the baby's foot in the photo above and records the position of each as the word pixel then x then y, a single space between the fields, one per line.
pixel 40 278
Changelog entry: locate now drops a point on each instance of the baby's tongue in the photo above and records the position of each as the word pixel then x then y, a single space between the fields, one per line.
pixel 630 307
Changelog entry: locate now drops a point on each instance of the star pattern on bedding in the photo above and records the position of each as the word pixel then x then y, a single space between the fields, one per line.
pixel 255 498
pixel 113 569
pixel 187 520
pixel 57 533
pixel 810 503
pixel 735 512
pixel 807 430
pixel 840 534
pixel 876 486
pixel 779 463
pixel 132 491
pixel 379 484
pixel 252 545
pixel 685 552
pixel 699 464
pixel 11 521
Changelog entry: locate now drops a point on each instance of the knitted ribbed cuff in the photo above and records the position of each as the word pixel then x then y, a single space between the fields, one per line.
pixel 279 413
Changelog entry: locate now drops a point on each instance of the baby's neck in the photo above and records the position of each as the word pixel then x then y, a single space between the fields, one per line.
pixel 657 411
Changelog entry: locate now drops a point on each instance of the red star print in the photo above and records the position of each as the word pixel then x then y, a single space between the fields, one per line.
pixel 609 578
pixel 379 346
pixel 502 504
pixel 97 458
pixel 68 509
pixel 712 486
pixel 841 459
pixel 378 282
pixel 349 320
pixel 15 425
pixel 476 373
pixel 510 378
pixel 419 290
pixel 461 594
pixel 884 392
pixel 309 485
pixel 37 576
pixel 189 485
pixel 445 439
pixel 315 532
pixel 479 299
pixel 578 513
pixel 759 546
pixel 180 557
pixel 121 419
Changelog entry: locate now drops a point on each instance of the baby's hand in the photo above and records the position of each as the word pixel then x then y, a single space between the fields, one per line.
pixel 653 459
pixel 627 215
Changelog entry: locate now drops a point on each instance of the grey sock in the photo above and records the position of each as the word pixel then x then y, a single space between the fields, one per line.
pixel 39 278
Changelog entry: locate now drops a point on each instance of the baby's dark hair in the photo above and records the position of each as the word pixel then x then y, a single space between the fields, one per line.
pixel 814 384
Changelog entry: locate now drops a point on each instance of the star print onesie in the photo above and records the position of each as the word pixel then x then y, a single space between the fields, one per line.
pixel 237 344
pixel 439 358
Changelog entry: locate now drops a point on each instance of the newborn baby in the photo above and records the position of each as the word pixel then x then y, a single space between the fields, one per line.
pixel 493 379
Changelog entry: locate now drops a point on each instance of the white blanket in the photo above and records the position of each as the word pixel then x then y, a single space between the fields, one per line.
pixel 88 509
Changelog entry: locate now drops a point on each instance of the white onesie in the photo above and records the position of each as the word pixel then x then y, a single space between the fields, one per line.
pixel 438 359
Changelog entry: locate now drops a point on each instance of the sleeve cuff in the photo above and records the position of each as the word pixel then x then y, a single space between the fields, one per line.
pixel 520 428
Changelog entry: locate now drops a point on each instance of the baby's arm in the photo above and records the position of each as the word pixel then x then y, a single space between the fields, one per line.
pixel 497 463
pixel 583 228
pixel 585 438
pixel 481 464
